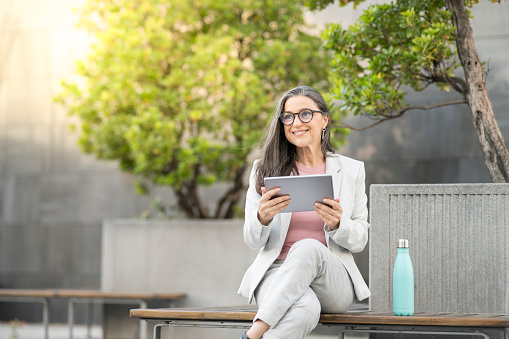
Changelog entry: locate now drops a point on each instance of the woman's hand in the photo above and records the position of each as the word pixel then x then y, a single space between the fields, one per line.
pixel 268 207
pixel 331 214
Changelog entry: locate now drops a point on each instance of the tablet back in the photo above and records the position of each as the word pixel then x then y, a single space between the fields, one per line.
pixel 304 190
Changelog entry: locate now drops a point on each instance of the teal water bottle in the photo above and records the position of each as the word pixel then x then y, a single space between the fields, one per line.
pixel 403 281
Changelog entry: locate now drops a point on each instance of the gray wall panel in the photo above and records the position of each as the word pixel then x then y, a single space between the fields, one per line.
pixel 458 245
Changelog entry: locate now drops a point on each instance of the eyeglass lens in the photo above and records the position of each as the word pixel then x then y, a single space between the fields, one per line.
pixel 305 115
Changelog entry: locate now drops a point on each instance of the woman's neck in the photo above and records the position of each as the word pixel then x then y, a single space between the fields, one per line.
pixel 310 158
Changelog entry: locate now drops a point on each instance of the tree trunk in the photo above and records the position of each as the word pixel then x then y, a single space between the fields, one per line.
pixel 232 196
pixel 188 198
pixel 496 155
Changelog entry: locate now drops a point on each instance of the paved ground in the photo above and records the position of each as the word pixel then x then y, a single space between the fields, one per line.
pixel 36 331
pixel 61 331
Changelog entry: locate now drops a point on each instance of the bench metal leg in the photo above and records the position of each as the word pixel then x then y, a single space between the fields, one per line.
pixel 90 316
pixel 342 333
pixel 157 330
pixel 45 317
pixel 70 317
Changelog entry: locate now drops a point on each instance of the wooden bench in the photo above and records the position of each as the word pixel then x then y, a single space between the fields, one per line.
pixel 465 325
pixel 84 296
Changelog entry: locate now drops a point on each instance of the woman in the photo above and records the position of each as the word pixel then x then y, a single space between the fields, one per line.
pixel 305 265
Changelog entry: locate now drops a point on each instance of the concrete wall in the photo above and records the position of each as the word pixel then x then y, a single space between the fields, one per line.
pixel 53 198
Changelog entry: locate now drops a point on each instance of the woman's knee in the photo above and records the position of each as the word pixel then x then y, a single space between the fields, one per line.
pixel 300 319
pixel 307 310
pixel 308 248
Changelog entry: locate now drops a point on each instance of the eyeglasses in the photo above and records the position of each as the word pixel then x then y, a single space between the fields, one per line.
pixel 305 115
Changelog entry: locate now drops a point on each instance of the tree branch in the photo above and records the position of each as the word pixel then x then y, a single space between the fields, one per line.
pixel 402 112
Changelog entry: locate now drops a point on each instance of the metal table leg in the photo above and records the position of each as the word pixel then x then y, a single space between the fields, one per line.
pixel 70 317
pixel 90 314
pixel 143 323
pixel 45 317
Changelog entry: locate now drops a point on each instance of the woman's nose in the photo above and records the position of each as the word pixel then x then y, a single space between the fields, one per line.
pixel 296 121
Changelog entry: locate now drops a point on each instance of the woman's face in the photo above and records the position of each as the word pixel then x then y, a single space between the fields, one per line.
pixel 307 134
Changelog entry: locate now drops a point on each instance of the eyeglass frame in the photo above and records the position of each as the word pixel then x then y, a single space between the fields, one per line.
pixel 298 114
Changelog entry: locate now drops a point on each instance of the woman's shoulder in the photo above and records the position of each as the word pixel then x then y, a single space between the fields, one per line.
pixel 346 161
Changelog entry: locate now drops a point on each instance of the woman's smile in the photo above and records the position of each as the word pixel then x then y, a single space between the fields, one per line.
pixel 299 132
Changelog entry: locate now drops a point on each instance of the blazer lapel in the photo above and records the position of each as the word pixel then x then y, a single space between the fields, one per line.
pixel 333 167
pixel 285 224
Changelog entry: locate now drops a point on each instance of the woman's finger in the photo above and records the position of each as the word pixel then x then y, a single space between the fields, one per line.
pixel 276 203
pixel 266 213
pixel 332 203
pixel 329 211
pixel 267 195
pixel 269 205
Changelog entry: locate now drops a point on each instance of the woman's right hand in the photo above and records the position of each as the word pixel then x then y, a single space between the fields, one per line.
pixel 268 207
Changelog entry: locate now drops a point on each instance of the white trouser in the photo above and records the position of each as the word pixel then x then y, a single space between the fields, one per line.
pixel 293 293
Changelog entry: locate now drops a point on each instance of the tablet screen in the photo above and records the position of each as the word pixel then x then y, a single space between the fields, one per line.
pixel 304 190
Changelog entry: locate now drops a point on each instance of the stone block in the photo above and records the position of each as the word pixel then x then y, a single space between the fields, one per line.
pixel 416 136
pixel 66 47
pixel 117 324
pixel 62 200
pixel 20 199
pixel 28 54
pixel 471 171
pixel 27 149
pixel 22 250
pixel 3 109
pixel 3 152
pixel 28 101
pixel 98 189
pixel 488 19
pixel 493 50
pixel 458 245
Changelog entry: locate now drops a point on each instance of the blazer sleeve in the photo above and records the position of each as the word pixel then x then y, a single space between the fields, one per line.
pixel 352 233
pixel 256 235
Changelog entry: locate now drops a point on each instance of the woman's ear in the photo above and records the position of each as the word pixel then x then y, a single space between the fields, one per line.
pixel 325 120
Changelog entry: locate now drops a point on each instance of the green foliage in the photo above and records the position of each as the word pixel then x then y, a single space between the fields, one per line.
pixel 405 43
pixel 14 330
pixel 180 92
pixel 321 4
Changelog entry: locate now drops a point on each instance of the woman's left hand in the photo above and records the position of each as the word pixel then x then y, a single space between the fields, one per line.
pixel 331 214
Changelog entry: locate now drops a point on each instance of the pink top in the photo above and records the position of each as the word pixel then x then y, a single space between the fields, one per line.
pixel 304 225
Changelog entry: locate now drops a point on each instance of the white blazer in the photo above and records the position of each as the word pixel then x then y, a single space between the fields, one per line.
pixel 351 236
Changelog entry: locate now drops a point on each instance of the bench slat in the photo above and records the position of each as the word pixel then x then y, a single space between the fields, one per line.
pixel 86 294
pixel 365 318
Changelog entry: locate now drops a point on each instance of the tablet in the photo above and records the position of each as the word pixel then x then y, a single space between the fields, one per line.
pixel 304 190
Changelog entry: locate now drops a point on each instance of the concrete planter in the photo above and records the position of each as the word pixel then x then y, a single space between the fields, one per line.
pixel 458 244
pixel 204 258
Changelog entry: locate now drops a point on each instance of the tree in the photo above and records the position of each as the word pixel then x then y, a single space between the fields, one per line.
pixel 414 44
pixel 180 92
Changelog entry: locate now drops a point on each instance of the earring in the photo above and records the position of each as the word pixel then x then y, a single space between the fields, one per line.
pixel 323 133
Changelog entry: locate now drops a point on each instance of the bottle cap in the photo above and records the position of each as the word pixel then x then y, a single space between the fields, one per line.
pixel 402 243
